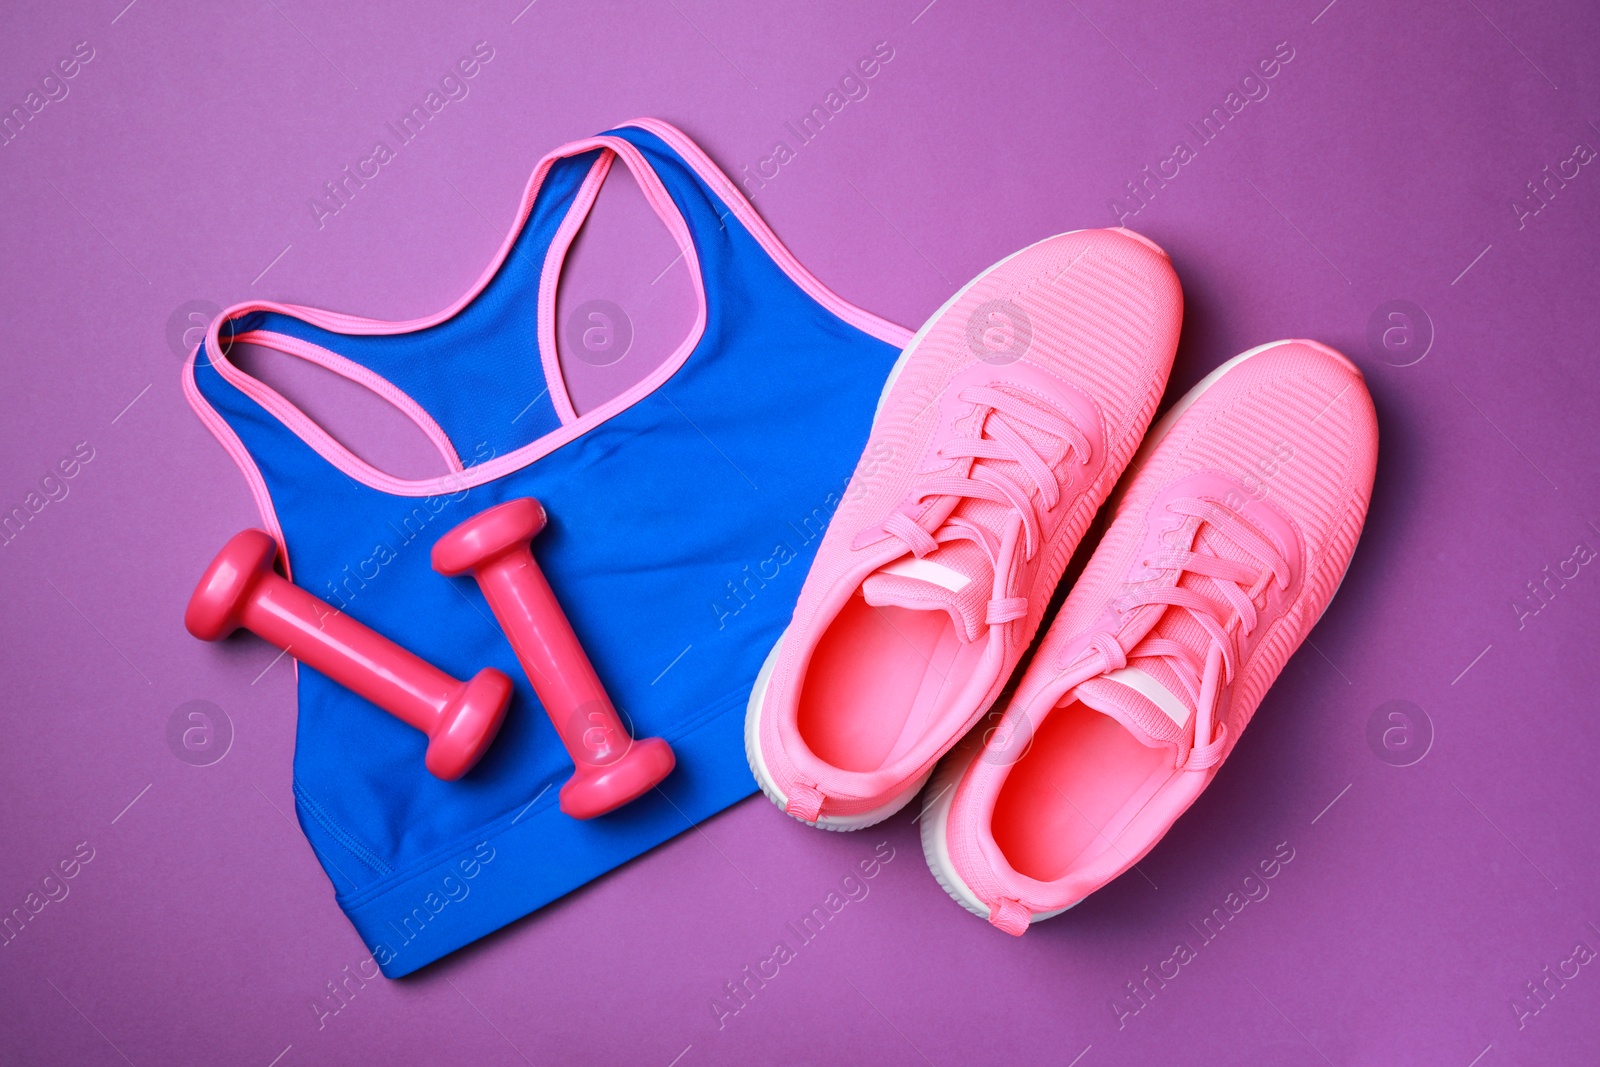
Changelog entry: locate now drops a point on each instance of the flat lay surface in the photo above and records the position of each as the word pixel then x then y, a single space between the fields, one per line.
pixel 1396 863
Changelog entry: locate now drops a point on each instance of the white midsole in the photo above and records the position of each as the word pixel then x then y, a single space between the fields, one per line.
pixel 936 843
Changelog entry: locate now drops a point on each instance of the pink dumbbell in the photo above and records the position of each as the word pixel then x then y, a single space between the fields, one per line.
pixel 612 768
pixel 240 589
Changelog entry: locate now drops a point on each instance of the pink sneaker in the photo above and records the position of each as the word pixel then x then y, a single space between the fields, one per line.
pixel 1227 543
pixel 1002 428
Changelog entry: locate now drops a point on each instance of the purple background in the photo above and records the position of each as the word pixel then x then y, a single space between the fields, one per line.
pixel 1383 165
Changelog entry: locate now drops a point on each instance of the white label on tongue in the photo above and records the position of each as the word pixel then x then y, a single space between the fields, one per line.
pixel 1158 694
pixel 925 570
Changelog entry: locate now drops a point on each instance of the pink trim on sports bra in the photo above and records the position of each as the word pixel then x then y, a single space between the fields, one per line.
pixel 554 261
pixel 241 457
pixel 556 257
pixel 282 408
pixel 573 425
pixel 745 212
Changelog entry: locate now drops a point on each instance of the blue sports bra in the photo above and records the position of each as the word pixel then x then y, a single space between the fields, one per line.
pixel 683 517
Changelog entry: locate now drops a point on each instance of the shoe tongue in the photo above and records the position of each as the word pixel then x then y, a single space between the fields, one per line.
pixel 1149 711
pixel 956 578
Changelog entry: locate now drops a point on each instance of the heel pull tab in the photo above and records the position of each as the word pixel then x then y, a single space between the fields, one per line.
pixel 805 802
pixel 1011 916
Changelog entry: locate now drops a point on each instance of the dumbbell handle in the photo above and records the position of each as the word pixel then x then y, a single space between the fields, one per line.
pixel 521 597
pixel 366 662
pixel 240 589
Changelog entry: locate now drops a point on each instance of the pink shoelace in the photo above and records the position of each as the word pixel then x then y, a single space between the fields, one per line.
pixel 999 440
pixel 1239 585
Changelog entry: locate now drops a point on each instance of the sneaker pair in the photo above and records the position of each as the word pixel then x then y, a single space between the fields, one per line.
pixel 1006 423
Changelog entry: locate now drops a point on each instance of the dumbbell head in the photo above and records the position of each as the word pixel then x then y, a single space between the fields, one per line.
pixel 227 585
pixel 468 724
pixel 595 789
pixel 485 536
